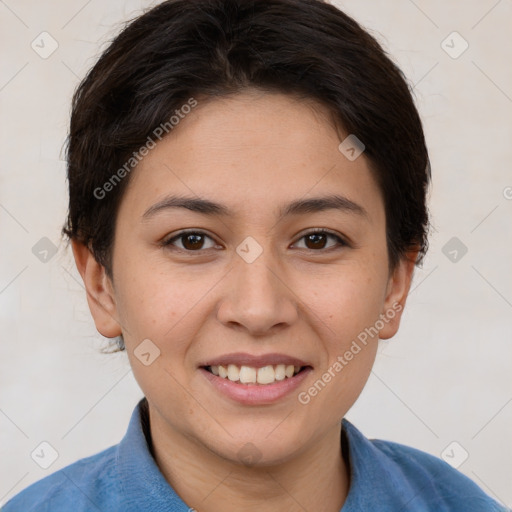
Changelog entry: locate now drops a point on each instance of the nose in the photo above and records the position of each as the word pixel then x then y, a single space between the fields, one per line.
pixel 257 297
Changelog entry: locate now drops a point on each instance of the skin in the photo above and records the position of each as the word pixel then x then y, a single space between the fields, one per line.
pixel 252 152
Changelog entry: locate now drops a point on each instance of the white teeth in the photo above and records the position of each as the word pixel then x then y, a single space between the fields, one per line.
pixel 247 375
pixel 233 372
pixel 250 375
pixel 280 372
pixel 266 375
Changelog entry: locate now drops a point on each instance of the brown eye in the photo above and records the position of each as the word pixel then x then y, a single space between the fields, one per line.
pixel 317 240
pixel 190 241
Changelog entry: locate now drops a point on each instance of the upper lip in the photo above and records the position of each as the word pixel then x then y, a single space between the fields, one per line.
pixel 256 361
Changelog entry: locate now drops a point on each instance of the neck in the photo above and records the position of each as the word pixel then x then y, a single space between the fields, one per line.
pixel 317 479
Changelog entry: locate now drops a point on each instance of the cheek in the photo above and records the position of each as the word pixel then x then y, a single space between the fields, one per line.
pixel 151 302
pixel 349 302
pixel 348 311
pixel 156 307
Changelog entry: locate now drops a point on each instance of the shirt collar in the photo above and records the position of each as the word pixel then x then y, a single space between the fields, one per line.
pixel 372 481
pixel 376 483
pixel 143 485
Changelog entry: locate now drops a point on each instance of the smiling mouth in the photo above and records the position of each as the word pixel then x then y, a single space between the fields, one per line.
pixel 252 375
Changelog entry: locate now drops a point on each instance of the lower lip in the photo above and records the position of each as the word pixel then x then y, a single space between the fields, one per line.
pixel 256 394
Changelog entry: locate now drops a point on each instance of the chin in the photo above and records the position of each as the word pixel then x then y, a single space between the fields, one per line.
pixel 257 450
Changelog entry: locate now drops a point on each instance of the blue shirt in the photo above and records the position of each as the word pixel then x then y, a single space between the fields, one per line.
pixel 384 477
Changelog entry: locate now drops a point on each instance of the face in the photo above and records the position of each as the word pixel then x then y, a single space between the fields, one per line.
pixel 251 284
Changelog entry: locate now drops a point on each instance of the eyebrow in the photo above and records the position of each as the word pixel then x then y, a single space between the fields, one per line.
pixel 298 207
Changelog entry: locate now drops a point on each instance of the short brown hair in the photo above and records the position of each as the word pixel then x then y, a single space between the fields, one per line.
pixel 210 48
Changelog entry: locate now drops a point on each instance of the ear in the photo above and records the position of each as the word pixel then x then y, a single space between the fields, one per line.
pixel 100 291
pixel 396 294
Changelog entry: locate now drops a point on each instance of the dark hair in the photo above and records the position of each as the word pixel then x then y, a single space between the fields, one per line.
pixel 184 49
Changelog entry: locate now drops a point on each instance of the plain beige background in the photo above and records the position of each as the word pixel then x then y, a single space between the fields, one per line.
pixel 442 385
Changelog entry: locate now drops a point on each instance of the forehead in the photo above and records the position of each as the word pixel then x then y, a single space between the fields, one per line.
pixel 251 150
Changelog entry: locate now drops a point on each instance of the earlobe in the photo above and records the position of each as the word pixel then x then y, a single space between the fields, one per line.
pixel 396 295
pixel 100 292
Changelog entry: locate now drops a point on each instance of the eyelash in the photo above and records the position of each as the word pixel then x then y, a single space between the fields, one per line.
pixel 341 242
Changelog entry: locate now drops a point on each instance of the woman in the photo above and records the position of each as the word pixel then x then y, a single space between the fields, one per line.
pixel 247 187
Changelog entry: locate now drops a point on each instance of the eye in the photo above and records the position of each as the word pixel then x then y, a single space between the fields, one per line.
pixel 194 241
pixel 317 239
pixel 190 241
